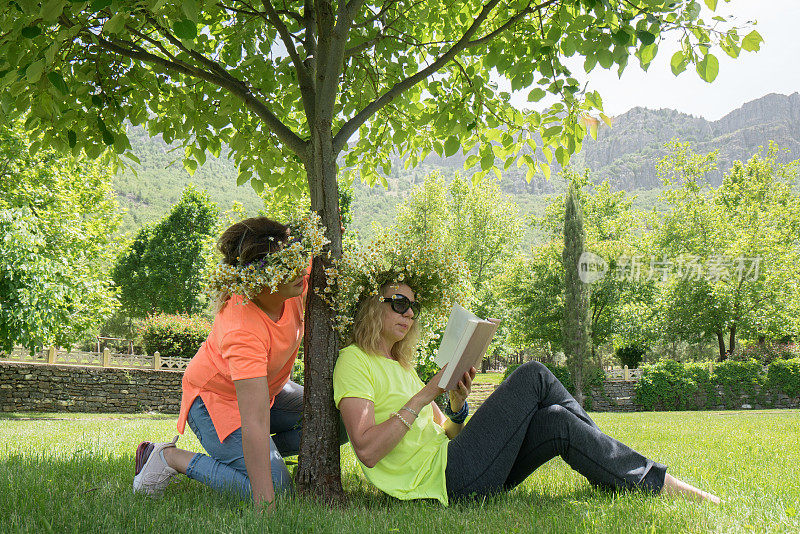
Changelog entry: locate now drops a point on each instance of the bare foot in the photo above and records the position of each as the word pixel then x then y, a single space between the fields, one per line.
pixel 673 486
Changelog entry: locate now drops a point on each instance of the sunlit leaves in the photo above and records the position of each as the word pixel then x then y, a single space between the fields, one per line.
pixel 708 68
pixel 752 41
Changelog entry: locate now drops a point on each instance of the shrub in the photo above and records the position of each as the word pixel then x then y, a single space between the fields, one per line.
pixel 630 355
pixel 510 369
pixel 665 385
pixel 594 376
pixel 737 379
pixel 174 335
pixel 784 376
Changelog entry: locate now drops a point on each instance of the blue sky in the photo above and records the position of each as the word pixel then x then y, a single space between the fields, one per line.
pixel 774 69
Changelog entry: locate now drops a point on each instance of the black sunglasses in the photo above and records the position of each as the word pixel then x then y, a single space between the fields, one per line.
pixel 401 304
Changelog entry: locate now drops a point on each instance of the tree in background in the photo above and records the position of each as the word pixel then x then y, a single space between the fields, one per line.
pixel 736 246
pixel 289 87
pixel 163 269
pixel 533 287
pixel 575 325
pixel 478 221
pixel 57 219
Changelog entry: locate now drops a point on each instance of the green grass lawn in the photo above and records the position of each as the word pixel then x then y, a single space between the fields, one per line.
pixel 73 473
pixel 488 378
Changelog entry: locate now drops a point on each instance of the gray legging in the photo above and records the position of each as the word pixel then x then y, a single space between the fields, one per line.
pixel 528 420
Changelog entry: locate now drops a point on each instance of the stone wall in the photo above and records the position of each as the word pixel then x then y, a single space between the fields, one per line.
pixel 64 388
pixel 619 396
pixel 35 387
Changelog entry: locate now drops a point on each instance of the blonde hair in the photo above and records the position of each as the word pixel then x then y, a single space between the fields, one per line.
pixel 367 327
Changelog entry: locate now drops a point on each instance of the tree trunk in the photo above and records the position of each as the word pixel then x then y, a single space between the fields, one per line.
pixel 721 342
pixel 318 473
pixel 732 340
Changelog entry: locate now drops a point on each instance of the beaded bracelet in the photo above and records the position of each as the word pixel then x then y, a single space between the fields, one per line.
pixel 395 414
pixel 409 410
pixel 457 417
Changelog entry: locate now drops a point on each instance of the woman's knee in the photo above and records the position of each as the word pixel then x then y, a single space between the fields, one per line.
pixel 531 371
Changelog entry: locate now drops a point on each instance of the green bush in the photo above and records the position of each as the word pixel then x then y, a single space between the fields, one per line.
pixel 594 376
pixel 784 376
pixel 174 335
pixel 510 369
pixel 736 379
pixel 630 355
pixel 665 385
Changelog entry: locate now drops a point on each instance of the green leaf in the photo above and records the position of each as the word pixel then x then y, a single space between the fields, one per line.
pixel 189 8
pixel 678 62
pixel 605 58
pixel 190 165
pixel 108 138
pixel 52 10
pixel 34 71
pixel 58 82
pixel 98 5
pixel 97 101
pixel 712 4
pixel 487 161
pixel 545 169
pixel 562 156
pixel 452 145
pixel 185 29
pixel 752 41
pixel 645 37
pixel 115 24
pixel 257 185
pixel 29 32
pixel 536 94
pixel 708 68
pixel 72 138
pixel 552 131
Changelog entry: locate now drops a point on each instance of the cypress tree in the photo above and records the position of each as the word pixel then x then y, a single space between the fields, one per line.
pixel 575 323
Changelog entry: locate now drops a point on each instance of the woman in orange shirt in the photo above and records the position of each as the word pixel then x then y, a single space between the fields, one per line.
pixel 236 389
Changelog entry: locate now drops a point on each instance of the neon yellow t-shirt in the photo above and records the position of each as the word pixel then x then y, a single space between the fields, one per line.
pixel 414 469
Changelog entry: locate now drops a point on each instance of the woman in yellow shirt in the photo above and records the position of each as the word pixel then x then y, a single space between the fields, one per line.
pixel 410 449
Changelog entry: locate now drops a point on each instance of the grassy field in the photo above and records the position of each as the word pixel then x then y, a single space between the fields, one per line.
pixel 72 473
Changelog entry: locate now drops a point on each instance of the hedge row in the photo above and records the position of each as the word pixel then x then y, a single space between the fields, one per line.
pixel 671 385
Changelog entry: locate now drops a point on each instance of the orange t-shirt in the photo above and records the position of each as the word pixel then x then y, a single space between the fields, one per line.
pixel 244 343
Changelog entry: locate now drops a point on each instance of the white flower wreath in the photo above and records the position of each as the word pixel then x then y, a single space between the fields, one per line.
pixel 306 239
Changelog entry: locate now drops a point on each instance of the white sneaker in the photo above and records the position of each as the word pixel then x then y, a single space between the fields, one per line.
pixel 152 473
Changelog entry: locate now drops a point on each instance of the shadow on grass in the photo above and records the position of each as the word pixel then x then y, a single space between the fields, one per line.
pixel 91 491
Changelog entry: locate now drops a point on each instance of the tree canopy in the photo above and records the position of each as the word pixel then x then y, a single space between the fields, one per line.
pixel 58 216
pixel 163 269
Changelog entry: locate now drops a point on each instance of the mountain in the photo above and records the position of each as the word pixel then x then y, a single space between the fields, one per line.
pixel 626 154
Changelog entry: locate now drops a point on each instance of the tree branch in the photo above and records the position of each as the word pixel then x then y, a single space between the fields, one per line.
pixel 237 88
pixel 350 127
pixel 512 21
pixel 307 87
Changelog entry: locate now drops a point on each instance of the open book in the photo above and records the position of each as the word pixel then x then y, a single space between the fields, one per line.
pixel 464 342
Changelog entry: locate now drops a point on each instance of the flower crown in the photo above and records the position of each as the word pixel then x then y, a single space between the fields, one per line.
pixel 307 238
pixel 438 276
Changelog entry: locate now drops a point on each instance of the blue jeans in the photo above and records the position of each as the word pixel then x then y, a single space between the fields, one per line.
pixel 223 469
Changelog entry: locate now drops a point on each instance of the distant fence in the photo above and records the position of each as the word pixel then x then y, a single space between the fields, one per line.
pixel 106 358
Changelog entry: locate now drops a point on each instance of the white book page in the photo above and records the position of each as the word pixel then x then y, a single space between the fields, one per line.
pixel 453 333
pixel 466 336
